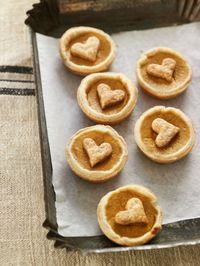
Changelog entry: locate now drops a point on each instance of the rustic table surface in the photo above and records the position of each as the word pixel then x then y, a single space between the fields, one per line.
pixel 22 238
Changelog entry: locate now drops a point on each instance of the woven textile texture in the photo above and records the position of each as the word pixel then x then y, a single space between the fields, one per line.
pixel 22 238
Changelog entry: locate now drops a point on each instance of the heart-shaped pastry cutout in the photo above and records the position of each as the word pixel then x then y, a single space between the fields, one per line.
pixel 96 153
pixel 165 130
pixel 87 50
pixel 109 97
pixel 165 70
pixel 134 213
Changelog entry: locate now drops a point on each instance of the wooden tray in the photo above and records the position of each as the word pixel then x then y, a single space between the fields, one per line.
pixel 52 18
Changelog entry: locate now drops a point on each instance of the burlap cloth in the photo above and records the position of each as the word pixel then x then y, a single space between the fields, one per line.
pixel 22 238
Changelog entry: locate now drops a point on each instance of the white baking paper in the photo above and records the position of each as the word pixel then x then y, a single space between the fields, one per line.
pixel 176 185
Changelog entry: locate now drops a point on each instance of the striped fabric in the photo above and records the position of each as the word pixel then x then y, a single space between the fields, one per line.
pixel 16 80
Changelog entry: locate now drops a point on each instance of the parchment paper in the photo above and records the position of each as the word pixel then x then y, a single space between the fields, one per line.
pixel 176 185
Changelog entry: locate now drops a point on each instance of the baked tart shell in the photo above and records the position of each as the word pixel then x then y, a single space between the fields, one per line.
pixel 106 227
pixel 83 68
pixel 78 159
pixel 114 115
pixel 158 87
pixel 177 148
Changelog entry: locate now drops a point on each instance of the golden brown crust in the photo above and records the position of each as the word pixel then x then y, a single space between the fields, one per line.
pixel 129 241
pixel 103 117
pixel 169 90
pixel 134 213
pixel 97 175
pixel 166 131
pixel 82 69
pixel 160 155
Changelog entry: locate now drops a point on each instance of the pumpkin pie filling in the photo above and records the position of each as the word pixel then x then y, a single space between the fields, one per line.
pixel 93 98
pixel 130 215
pixel 180 72
pixel 86 50
pixel 102 54
pixel 107 98
pixel 164 134
pixel 96 153
pixel 163 73
pixel 99 138
pixel 148 136
pixel 117 202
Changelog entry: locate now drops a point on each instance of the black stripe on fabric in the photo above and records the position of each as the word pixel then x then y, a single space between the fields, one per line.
pixel 17 80
pixel 16 69
pixel 17 92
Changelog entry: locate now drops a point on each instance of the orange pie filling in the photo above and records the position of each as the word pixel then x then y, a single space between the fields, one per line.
pixel 148 135
pixel 102 54
pixel 180 72
pixel 117 202
pixel 81 156
pixel 94 101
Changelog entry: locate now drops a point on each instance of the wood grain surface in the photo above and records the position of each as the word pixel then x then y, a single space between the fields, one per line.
pixel 22 237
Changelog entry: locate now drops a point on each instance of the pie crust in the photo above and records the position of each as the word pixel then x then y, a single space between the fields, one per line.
pixel 78 159
pixel 177 148
pixel 89 101
pixel 105 54
pixel 160 87
pixel 132 234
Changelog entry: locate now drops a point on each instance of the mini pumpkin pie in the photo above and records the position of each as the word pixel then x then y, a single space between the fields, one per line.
pixel 163 73
pixel 97 153
pixel 107 98
pixel 130 215
pixel 164 134
pixel 86 50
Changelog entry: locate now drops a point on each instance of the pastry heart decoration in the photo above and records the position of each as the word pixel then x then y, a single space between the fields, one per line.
pixel 165 130
pixel 109 97
pixel 165 70
pixel 134 213
pixel 96 153
pixel 87 50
